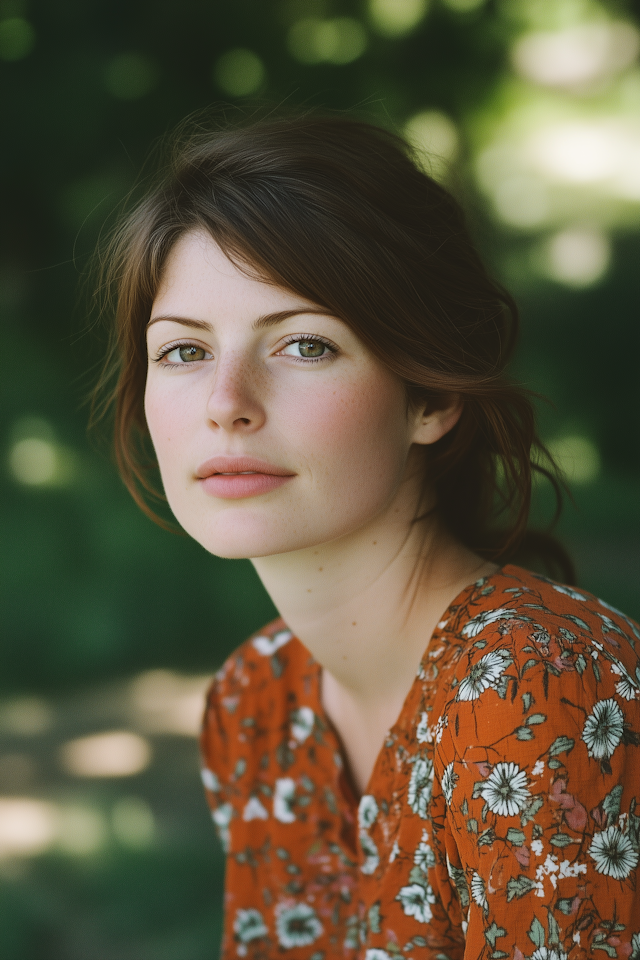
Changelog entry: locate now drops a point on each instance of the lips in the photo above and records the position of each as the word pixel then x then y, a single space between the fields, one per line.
pixel 234 478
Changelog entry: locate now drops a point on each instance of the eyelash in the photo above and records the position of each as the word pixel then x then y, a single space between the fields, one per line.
pixel 169 348
pixel 294 338
pixel 314 338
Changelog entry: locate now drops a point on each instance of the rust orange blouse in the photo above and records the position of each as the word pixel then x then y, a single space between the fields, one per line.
pixel 501 819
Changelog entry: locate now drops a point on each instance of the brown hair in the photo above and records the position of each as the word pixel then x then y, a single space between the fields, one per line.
pixel 337 211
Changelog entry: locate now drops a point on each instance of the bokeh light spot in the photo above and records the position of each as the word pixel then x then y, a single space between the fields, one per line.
pixel 577 56
pixel 339 41
pixel 576 257
pixel 133 822
pixel 130 76
pixel 17 39
pixel 435 139
pixel 33 461
pixel 166 702
pixel 577 152
pixel 27 826
pixel 239 72
pixel 82 830
pixel 395 18
pixel 577 456
pixel 117 753
pixel 521 201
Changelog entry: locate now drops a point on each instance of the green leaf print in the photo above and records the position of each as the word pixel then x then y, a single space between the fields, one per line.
pixel 515 836
pixel 561 745
pixel 535 718
pixel 611 803
pixel 581 663
pixel 561 840
pixel 536 933
pixel 527 700
pixel 519 886
pixel 565 905
pixel 530 663
pixel 492 933
pixel 530 810
pixel 524 733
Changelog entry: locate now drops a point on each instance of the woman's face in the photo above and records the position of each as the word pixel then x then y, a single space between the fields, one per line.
pixel 274 427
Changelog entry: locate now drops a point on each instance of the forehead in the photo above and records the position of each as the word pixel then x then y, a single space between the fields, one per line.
pixel 199 276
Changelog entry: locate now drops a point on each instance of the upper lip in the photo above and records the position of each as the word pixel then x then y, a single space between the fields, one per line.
pixel 228 464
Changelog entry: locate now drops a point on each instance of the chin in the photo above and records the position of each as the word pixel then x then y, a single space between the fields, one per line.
pixel 235 536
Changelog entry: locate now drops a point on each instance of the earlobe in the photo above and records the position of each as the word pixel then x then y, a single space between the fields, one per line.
pixel 432 425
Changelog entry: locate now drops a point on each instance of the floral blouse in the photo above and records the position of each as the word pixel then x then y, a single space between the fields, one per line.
pixel 501 819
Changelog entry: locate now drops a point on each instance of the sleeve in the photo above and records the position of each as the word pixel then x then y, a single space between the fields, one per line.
pixel 534 809
pixel 214 750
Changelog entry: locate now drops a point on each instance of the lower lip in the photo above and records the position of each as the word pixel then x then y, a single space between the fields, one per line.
pixel 242 485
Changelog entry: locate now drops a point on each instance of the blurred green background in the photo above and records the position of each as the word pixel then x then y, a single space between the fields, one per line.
pixel 530 110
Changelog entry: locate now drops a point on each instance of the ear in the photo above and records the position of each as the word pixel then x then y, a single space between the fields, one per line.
pixel 431 425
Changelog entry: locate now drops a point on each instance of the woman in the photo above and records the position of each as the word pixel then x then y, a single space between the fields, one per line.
pixel 430 755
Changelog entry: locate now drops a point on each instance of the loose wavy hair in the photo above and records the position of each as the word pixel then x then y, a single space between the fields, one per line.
pixel 338 211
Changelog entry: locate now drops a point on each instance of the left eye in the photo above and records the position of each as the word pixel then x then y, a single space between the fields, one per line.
pixel 186 354
pixel 310 349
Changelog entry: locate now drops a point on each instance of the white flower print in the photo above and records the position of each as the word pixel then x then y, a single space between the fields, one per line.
pixel 222 818
pixel 297 926
pixel 283 799
pixel 367 811
pixel 424 856
pixel 268 645
pixel 483 674
pixel 422 730
pixel 253 810
pixel 478 891
pixel 449 780
pixel 249 925
pixel 568 592
pixel 210 780
pixel 302 721
pixel 505 789
pixel 371 858
pixel 613 853
pixel 627 688
pixel 477 624
pixel 375 954
pixel 543 953
pixel 420 786
pixel 603 729
pixel 416 901
pixel 635 945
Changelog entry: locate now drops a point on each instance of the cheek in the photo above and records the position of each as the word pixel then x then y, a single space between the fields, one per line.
pixel 166 422
pixel 356 428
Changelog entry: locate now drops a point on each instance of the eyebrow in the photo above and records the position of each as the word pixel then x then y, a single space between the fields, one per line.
pixel 260 323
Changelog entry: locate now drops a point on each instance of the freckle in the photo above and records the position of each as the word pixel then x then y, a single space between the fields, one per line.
pixel 374 542
pixel 320 569
pixel 353 624
pixel 308 590
pixel 344 656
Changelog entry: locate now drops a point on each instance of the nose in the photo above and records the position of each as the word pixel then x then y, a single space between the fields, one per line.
pixel 234 402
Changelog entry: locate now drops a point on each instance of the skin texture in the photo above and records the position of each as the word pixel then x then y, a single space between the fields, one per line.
pixel 335 544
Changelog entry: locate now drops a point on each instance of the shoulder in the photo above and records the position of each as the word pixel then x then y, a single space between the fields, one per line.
pixel 254 690
pixel 271 661
pixel 531 620
pixel 531 660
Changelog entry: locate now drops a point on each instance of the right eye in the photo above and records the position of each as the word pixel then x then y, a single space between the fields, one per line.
pixel 185 353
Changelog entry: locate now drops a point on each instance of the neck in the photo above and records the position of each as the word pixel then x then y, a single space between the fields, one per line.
pixel 359 602
pixel 365 606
